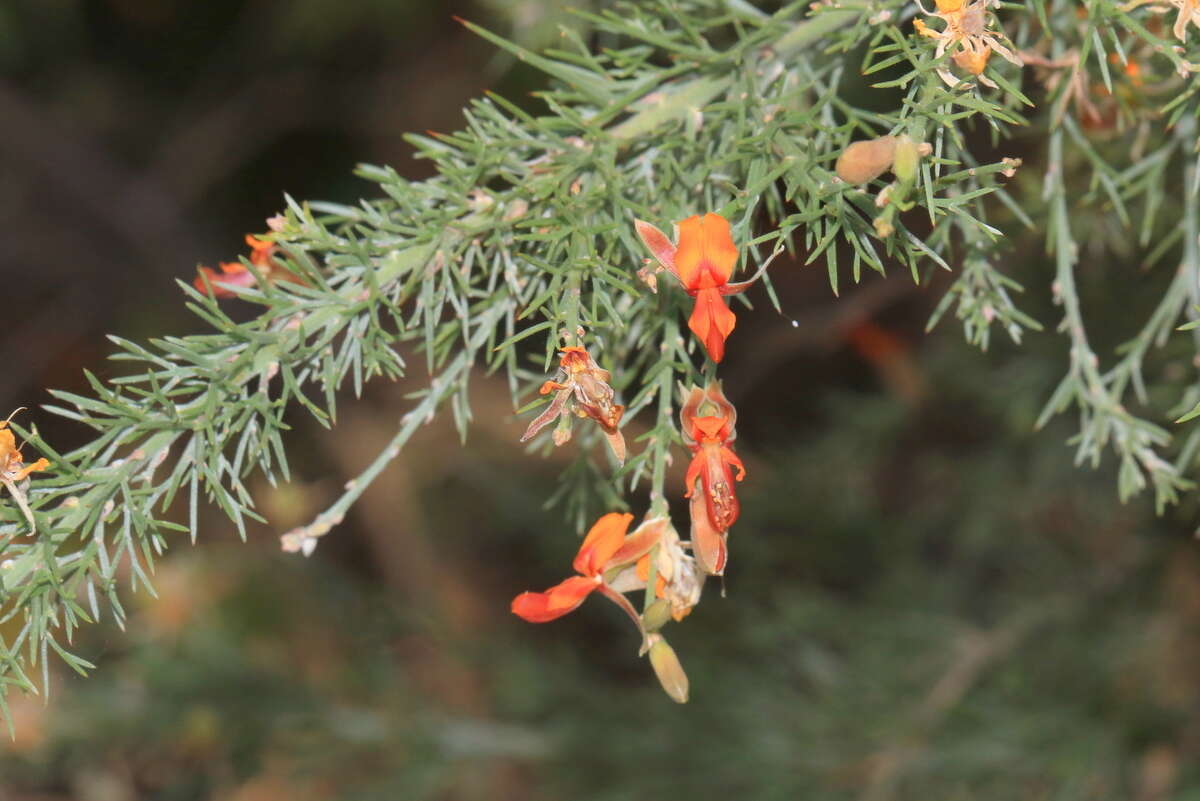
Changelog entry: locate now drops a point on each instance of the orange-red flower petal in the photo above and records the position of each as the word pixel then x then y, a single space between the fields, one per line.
pixel 712 322
pixel 561 599
pixel 260 250
pixel 602 541
pixel 708 544
pixel 706 255
pixel 232 273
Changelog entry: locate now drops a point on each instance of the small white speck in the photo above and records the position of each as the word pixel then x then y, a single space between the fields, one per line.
pixel 795 323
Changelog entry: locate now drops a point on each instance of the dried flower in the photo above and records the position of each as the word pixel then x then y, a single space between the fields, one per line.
pixel 582 390
pixel 709 437
pixel 1189 12
pixel 703 260
pixel 967 33
pixel 13 470
pixel 678 582
pixel 605 547
pixel 236 274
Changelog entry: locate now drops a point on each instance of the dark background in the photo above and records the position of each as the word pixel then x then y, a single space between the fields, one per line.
pixel 926 599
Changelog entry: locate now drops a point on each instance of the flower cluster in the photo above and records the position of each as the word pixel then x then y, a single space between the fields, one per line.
pixel 235 274
pixel 612 561
pixel 652 559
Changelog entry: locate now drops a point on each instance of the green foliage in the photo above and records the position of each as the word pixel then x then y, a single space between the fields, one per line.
pixel 523 242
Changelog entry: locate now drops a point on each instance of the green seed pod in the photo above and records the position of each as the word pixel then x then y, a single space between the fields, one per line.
pixel 657 615
pixel 670 673
pixel 907 155
pixel 865 161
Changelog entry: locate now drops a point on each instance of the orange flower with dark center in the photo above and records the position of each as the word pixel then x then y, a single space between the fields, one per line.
pixel 715 509
pixel 236 274
pixel 605 547
pixel 583 390
pixel 13 470
pixel 703 259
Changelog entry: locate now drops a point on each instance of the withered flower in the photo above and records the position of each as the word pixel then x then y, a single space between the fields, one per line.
pixel 968 38
pixel 582 390
pixel 13 470
pixel 1189 13
pixel 715 508
pixel 678 581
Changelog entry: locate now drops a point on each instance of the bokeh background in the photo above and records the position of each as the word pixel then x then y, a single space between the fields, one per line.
pixel 927 600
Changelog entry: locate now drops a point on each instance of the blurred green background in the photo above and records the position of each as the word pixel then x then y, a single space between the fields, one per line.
pixel 926 600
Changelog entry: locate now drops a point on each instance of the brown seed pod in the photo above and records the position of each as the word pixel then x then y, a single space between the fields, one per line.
pixel 867 160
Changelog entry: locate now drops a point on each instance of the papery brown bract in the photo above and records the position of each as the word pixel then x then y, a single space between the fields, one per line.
pixel 682 581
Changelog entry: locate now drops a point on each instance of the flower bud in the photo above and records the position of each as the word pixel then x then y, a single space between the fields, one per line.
pixel 865 161
pixel 666 666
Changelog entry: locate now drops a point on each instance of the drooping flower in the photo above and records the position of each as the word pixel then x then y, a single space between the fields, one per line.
pixel 606 546
pixel 702 259
pixel 714 508
pixel 967 36
pixel 13 470
pixel 236 274
pixel 582 390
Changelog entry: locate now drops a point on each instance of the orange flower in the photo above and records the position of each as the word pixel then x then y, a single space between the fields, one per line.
pixel 703 261
pixel 606 546
pixel 13 470
pixel 583 381
pixel 716 508
pixel 236 274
